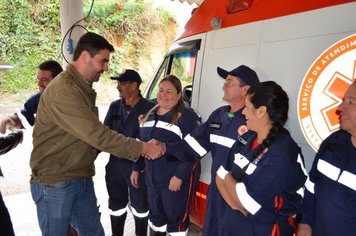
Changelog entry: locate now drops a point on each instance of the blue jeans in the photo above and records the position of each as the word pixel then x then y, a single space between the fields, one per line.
pixel 67 202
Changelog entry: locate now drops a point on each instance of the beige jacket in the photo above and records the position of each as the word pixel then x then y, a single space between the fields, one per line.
pixel 68 133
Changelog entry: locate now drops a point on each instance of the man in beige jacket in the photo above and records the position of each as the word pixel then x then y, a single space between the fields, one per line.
pixel 66 137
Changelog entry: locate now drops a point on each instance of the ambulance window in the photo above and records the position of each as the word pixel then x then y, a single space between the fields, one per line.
pixel 181 65
pixel 152 94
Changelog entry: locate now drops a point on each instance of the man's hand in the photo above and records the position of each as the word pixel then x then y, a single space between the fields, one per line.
pixel 152 150
pixel 175 184
pixel 10 121
pixel 134 178
pixel 163 146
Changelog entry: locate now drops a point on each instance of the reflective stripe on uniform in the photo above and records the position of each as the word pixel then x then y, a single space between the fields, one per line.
pixel 328 170
pixel 178 233
pixel 348 179
pixel 139 215
pixel 246 200
pixel 241 160
pixel 300 161
pixel 309 185
pixel 170 127
pixel 157 229
pixel 193 143
pixel 23 120
pixel 164 125
pixel 221 140
pixel 119 212
pixel 301 191
pixel 250 169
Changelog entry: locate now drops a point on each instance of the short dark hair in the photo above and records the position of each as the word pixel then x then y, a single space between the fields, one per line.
pixel 54 67
pixel 92 43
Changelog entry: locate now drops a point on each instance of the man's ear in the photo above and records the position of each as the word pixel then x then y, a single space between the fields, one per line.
pixel 85 56
pixel 246 88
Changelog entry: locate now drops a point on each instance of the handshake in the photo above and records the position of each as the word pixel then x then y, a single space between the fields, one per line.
pixel 153 149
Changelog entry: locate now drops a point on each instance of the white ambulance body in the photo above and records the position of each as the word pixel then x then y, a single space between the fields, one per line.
pixel 308 47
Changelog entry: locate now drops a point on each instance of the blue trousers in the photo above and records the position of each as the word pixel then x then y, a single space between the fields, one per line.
pixel 67 202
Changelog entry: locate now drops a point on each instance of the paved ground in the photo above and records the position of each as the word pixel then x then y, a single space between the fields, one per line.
pixel 17 196
pixel 16 192
pixel 15 186
pixel 24 218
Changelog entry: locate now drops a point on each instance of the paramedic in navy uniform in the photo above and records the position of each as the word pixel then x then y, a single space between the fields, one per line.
pixel 170 183
pixel 122 117
pixel 223 127
pixel 265 186
pixel 329 207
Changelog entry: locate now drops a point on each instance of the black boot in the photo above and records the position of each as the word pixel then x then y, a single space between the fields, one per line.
pixel 118 224
pixel 141 226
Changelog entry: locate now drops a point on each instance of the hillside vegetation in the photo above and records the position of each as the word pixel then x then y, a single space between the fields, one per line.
pixel 30 34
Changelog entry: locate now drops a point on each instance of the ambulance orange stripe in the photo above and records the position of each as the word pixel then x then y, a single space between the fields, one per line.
pixel 260 10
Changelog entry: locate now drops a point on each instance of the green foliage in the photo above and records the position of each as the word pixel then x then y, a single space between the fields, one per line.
pixel 131 21
pixel 26 40
pixel 30 34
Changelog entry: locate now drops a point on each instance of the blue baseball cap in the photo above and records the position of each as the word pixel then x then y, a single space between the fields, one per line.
pixel 245 73
pixel 128 75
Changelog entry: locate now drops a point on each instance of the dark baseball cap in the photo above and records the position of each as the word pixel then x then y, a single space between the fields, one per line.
pixel 128 75
pixel 245 73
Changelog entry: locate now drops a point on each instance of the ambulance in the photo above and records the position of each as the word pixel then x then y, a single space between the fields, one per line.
pixel 308 47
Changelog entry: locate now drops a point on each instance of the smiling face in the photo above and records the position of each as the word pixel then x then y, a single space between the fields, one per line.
pixel 97 64
pixel 250 113
pixel 168 96
pixel 347 111
pixel 43 77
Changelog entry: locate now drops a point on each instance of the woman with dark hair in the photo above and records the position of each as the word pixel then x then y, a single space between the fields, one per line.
pixel 170 182
pixel 263 181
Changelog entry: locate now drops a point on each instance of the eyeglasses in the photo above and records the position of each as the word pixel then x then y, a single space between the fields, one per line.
pixel 229 84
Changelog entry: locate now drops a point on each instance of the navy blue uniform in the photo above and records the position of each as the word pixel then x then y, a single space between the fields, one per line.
pixel 269 187
pixel 330 200
pixel 124 120
pixel 29 110
pixel 217 134
pixel 169 211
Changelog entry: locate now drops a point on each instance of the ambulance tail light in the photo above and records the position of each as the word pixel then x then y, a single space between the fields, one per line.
pixel 238 5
